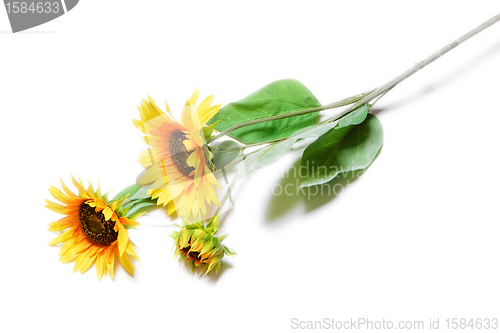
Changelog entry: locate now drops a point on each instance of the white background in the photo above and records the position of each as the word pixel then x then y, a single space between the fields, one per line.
pixel 414 238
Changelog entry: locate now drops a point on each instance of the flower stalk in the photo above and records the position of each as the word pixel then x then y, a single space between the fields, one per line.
pixel 356 101
pixel 343 102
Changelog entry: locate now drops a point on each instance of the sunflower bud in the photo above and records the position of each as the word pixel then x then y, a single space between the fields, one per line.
pixel 198 245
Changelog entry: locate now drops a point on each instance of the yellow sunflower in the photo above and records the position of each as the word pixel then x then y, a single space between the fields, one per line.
pixel 178 162
pixel 94 230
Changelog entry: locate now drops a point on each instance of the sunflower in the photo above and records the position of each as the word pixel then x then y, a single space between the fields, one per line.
pixel 178 164
pixel 197 244
pixel 94 229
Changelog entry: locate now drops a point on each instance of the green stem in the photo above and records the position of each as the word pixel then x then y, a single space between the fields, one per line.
pixel 244 146
pixel 235 179
pixel 237 159
pixel 433 57
pixel 227 195
pixel 263 143
pixel 356 101
pixel 338 104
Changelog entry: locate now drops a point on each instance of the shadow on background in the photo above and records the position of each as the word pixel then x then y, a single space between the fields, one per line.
pixel 287 196
pixel 200 271
pixel 214 277
pixel 455 75
pixel 284 202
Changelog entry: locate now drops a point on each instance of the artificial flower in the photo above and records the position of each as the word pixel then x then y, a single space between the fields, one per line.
pixel 94 229
pixel 178 164
pixel 198 245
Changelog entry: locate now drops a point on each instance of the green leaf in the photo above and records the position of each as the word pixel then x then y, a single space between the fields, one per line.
pixel 142 193
pixel 225 152
pixel 276 98
pixel 268 155
pixel 345 149
pixel 228 251
pixel 208 130
pixel 356 117
pixel 137 205
pixel 277 151
pixel 213 225
pixel 130 190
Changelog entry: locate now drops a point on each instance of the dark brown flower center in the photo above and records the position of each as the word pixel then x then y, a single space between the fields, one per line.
pixel 96 227
pixel 179 153
pixel 190 255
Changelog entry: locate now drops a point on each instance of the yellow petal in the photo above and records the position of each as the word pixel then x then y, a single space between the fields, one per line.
pixel 90 190
pixel 68 256
pixel 186 119
pixel 127 264
pixel 98 191
pixel 204 105
pixel 61 238
pixel 150 175
pixel 171 208
pixel 209 113
pixel 192 160
pixel 194 97
pixel 79 261
pixel 164 197
pixel 60 196
pixel 66 189
pixel 187 112
pixel 107 213
pixel 130 250
pixel 57 226
pixel 122 238
pixel 55 207
pixel 88 259
pixel 110 265
pixel 125 220
pixel 99 267
pixel 168 111
pixel 139 124
pixel 111 270
pixel 66 246
pixel 146 158
pixel 211 178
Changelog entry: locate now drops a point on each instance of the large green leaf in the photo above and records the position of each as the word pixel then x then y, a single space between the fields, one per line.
pixel 268 155
pixel 279 97
pixel 342 149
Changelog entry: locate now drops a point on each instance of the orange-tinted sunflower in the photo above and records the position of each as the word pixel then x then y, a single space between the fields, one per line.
pixel 94 229
pixel 178 162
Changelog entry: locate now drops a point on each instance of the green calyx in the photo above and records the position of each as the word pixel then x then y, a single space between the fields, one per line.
pixel 198 244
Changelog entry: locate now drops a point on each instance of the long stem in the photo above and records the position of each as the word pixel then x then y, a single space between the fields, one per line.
pixel 389 85
pixel 340 103
pixel 359 100
pixel 355 101
pixel 242 157
pixel 263 143
pixel 235 179
pixel 227 195
pixel 244 146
